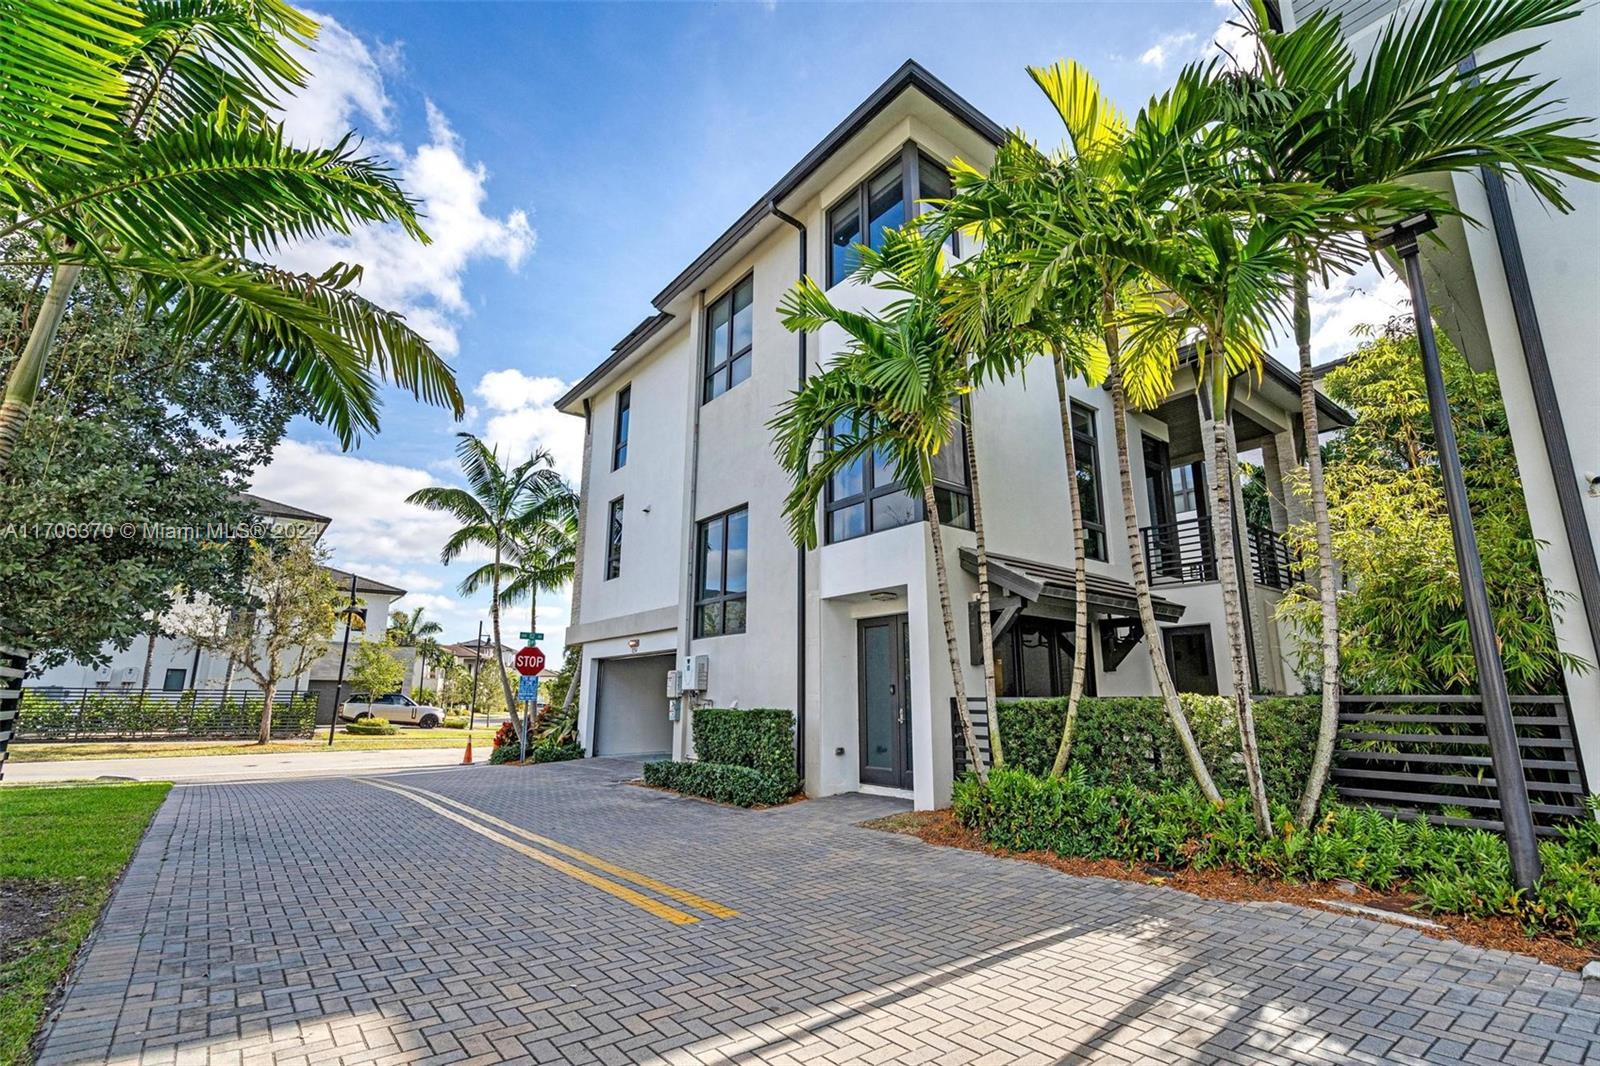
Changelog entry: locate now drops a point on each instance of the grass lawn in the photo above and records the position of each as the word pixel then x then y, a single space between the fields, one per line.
pixel 405 737
pixel 61 847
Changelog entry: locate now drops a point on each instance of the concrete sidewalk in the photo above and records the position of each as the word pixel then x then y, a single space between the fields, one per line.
pixel 190 769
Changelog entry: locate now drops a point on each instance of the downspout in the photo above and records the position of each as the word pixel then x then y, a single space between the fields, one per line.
pixel 690 521
pixel 800 552
pixel 1548 407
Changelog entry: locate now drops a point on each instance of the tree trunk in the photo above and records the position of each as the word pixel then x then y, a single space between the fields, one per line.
pixel 269 692
pixel 1222 529
pixel 150 655
pixel 1141 577
pixel 500 666
pixel 22 387
pixel 1080 584
pixel 1328 726
pixel 942 574
pixel 985 621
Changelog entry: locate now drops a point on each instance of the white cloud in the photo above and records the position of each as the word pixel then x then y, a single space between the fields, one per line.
pixel 1160 53
pixel 346 90
pixel 522 417
pixel 1232 42
pixel 1350 302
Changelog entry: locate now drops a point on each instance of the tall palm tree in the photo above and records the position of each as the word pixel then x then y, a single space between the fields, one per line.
pixel 1422 104
pixel 138 138
pixel 1051 219
pixel 409 629
pixel 545 551
pixel 894 391
pixel 491 510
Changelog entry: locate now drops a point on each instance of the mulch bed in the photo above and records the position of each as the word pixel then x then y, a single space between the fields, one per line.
pixel 28 909
pixel 1499 934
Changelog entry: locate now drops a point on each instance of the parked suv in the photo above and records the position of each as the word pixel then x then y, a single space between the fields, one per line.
pixel 402 710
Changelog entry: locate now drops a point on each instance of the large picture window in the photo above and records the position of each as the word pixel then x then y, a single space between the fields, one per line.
pixel 1086 442
pixel 864 497
pixel 721 574
pixel 614 540
pixel 619 439
pixel 1034 658
pixel 885 200
pixel 730 336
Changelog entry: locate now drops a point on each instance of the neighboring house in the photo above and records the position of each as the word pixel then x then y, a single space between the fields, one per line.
pixel 685 548
pixel 1519 293
pixel 177 665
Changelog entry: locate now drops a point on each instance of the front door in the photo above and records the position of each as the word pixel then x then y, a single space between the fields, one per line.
pixel 885 664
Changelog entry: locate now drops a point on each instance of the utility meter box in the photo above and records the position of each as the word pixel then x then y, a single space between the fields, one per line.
pixel 674 684
pixel 696 673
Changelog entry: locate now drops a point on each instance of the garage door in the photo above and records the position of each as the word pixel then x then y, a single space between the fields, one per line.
pixel 631 707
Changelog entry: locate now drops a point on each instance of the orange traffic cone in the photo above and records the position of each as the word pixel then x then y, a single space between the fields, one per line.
pixel 466 756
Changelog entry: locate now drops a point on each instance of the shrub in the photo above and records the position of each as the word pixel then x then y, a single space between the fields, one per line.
pixel 1465 871
pixel 370 727
pixel 761 739
pixel 508 749
pixel 555 751
pixel 454 721
pixel 1128 739
pixel 742 786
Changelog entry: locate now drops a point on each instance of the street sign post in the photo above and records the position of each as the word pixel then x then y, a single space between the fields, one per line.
pixel 529 661
pixel 531 638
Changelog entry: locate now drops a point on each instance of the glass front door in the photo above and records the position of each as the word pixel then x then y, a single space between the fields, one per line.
pixel 884 660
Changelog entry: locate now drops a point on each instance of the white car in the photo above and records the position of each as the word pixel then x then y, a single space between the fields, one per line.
pixel 401 710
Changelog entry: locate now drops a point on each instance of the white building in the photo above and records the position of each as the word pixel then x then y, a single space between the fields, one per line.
pixel 684 545
pixel 1520 294
pixel 176 664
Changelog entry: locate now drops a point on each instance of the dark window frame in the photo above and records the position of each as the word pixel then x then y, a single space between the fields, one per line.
pixel 166 680
pixel 614 538
pixel 621 425
pixel 712 370
pixel 945 492
pixel 908 159
pixel 1008 659
pixel 723 597
pixel 1204 631
pixel 1086 444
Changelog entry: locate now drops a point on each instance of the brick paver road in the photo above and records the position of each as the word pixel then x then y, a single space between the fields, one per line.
pixel 337 921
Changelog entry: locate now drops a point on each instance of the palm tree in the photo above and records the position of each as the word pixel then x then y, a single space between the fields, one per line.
pixel 1421 105
pixel 491 510
pixel 545 550
pixel 412 630
pixel 138 139
pixel 893 392
pixel 1051 220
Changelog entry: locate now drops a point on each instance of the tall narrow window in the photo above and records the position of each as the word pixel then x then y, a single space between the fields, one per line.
pixel 730 333
pixel 883 202
pixel 933 182
pixel 865 497
pixel 1087 444
pixel 721 574
pixel 619 439
pixel 614 540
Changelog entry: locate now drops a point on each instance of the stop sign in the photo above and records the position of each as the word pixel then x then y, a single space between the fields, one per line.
pixel 530 661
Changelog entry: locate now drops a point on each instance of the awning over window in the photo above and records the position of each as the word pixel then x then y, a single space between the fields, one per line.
pixel 1035 582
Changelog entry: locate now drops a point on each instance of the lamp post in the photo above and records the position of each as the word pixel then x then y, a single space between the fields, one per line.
pixel 477 663
pixel 1515 813
pixel 344 651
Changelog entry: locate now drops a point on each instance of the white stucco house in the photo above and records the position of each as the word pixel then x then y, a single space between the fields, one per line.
pixel 1519 293
pixel 685 551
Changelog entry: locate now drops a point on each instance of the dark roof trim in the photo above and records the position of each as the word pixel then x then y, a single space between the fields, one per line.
pixel 625 347
pixel 1329 414
pixel 273 509
pixel 1034 581
pixel 363 584
pixel 911 75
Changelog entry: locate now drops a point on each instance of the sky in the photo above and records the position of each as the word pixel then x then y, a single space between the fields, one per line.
pixel 571 158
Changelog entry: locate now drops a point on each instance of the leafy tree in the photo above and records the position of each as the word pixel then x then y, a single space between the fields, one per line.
pixel 139 433
pixel 1402 623
pixel 282 629
pixel 377 672
pixel 139 141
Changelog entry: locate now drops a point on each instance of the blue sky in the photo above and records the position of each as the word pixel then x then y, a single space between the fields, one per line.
pixel 574 157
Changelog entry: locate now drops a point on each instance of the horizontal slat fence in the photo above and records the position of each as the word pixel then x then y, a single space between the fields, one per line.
pixel 12 665
pixel 1428 757
pixel 980 727
pixel 50 713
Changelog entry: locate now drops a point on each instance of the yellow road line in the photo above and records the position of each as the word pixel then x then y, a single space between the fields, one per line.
pixel 622 892
pixel 716 910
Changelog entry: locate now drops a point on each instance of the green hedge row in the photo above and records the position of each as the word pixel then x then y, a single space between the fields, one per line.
pixel 1464 871
pixel 743 786
pixel 112 715
pixel 1129 739
pixel 539 751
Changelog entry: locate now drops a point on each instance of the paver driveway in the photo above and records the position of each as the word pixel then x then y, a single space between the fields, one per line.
pixel 338 921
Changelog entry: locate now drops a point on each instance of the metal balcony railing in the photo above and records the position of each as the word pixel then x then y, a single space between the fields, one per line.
pixel 1183 553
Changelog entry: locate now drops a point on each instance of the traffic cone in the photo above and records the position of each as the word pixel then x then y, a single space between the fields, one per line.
pixel 466 756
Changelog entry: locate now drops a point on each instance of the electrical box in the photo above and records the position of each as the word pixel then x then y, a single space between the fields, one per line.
pixel 696 673
pixel 674 684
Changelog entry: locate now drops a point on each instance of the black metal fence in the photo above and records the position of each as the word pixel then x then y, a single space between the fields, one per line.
pixel 977 709
pixel 51 713
pixel 1183 553
pixel 12 665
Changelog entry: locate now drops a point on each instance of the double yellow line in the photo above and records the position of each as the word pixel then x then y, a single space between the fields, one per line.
pixel 479 821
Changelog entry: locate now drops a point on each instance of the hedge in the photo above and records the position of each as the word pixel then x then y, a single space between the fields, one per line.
pixel 538 751
pixel 743 786
pixel 1465 871
pixel 111 715
pixel 370 727
pixel 1129 739
pixel 760 738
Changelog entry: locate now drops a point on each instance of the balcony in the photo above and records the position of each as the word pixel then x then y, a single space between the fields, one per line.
pixel 1183 553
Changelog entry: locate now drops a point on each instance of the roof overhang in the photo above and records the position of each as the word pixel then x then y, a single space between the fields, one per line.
pixel 1038 582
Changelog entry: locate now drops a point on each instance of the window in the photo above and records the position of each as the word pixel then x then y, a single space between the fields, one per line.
pixel 1190 660
pixel 173 682
pixel 619 438
pixel 883 200
pixel 1086 444
pixel 1034 658
pixel 720 574
pixel 614 540
pixel 864 497
pixel 1185 489
pixel 730 331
